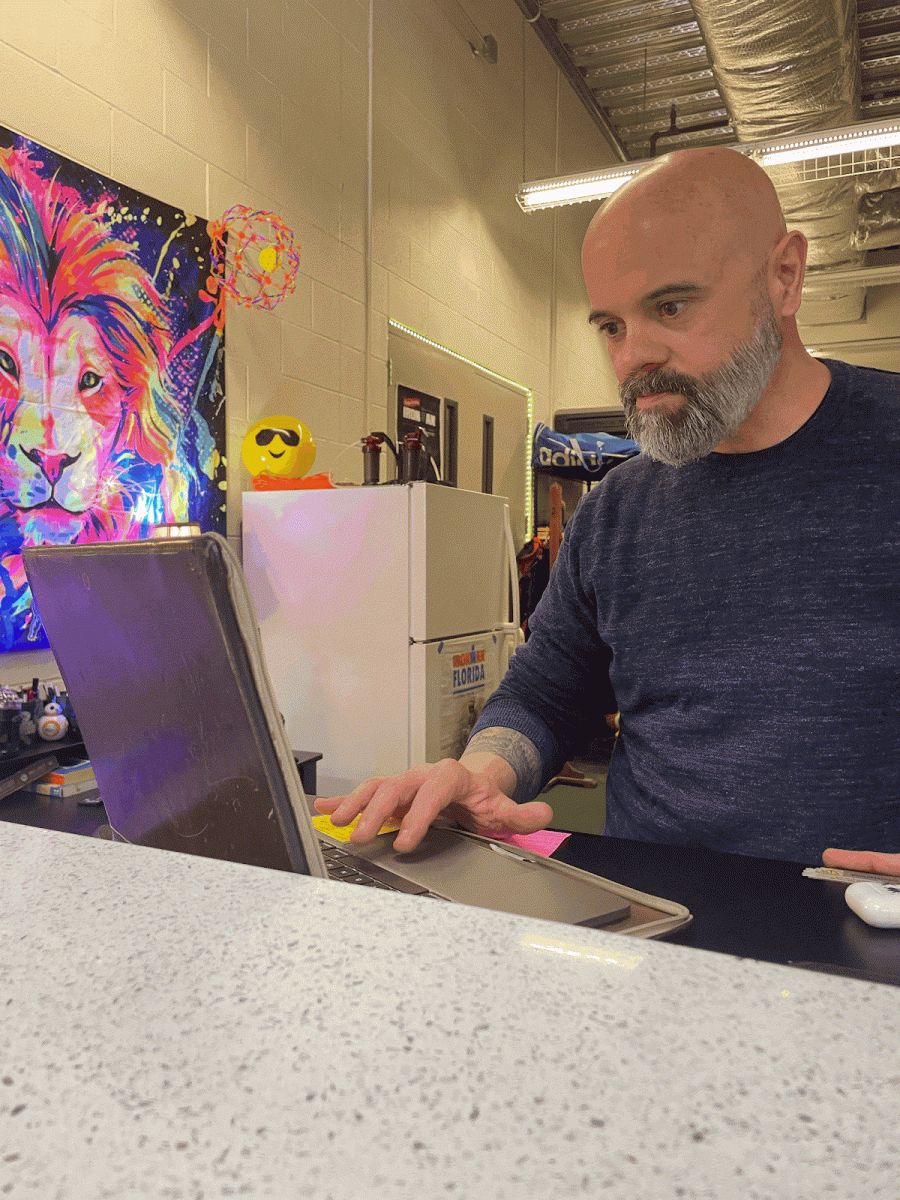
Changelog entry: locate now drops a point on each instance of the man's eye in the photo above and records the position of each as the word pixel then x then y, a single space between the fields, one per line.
pixel 89 381
pixel 8 364
pixel 671 308
pixel 610 328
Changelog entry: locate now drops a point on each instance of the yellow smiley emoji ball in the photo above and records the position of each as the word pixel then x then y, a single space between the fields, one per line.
pixel 278 446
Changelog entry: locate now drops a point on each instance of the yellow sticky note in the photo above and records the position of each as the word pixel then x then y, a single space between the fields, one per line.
pixel 342 832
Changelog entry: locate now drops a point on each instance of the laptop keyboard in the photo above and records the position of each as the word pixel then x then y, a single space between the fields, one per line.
pixel 350 868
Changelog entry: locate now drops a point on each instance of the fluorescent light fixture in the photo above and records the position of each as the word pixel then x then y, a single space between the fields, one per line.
pixel 826 349
pixel 572 189
pixel 861 142
pixel 826 143
pixel 826 279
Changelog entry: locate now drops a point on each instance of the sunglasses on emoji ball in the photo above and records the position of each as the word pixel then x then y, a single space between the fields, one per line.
pixel 289 436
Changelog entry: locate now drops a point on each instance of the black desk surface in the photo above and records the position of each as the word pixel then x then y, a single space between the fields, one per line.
pixel 752 907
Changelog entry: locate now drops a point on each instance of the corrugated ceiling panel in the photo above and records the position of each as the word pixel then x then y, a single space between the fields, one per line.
pixel 640 59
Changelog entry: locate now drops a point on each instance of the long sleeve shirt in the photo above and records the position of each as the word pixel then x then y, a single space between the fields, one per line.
pixel 742 613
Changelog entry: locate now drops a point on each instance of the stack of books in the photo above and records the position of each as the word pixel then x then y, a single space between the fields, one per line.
pixel 76 782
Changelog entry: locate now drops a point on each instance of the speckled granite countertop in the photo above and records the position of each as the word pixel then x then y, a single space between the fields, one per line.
pixel 178 1028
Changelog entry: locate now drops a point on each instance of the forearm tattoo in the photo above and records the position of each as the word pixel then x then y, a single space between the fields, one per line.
pixel 521 754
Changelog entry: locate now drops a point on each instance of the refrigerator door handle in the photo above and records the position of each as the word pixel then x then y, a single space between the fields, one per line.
pixel 510 639
pixel 515 616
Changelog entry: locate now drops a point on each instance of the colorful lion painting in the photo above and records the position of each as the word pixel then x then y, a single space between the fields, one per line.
pixel 110 371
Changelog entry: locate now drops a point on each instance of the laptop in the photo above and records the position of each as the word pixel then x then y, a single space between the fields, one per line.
pixel 158 646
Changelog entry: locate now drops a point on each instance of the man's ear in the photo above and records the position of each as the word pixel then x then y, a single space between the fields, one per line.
pixel 787 268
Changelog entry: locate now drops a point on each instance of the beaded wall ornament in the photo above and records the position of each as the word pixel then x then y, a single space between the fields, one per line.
pixel 255 258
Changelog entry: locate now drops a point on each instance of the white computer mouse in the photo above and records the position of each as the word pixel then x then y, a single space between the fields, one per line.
pixel 877 903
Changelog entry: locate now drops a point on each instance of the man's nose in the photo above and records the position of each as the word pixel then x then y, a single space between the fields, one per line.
pixel 52 465
pixel 639 351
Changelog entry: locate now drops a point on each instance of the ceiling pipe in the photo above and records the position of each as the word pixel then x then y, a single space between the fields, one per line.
pixel 676 130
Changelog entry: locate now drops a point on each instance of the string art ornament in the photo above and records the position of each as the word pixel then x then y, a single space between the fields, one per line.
pixel 255 260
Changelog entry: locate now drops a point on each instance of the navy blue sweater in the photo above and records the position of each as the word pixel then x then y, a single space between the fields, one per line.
pixel 743 615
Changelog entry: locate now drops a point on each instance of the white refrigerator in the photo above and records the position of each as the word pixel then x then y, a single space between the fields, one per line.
pixel 388 615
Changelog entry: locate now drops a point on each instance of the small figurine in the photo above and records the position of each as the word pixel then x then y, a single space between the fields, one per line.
pixel 10 713
pixel 68 712
pixel 52 725
pixel 27 728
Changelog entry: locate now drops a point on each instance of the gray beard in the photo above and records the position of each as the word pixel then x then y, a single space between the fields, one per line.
pixel 715 405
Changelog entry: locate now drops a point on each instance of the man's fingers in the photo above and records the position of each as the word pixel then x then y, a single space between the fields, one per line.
pixel 421 794
pixel 445 783
pixel 390 799
pixel 416 798
pixel 342 809
pixel 505 816
pixel 862 860
pixel 376 799
pixel 328 804
pixel 526 818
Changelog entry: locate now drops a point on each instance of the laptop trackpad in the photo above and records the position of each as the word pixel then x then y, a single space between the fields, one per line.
pixel 472 872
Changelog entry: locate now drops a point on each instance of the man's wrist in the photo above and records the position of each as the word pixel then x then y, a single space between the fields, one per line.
pixel 520 776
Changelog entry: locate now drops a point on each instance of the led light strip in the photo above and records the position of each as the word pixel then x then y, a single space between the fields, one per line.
pixel 510 383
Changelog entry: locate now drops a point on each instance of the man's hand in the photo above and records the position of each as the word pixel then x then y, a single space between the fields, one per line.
pixel 862 860
pixel 468 794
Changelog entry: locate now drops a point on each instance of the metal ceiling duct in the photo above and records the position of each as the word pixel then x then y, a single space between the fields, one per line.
pixel 794 67
pixel 879 220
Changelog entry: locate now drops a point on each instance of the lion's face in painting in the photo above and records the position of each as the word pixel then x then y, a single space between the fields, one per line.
pixel 63 412
pixel 96 441
pixel 88 427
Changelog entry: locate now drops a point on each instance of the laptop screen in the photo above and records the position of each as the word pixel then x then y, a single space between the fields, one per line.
pixel 160 676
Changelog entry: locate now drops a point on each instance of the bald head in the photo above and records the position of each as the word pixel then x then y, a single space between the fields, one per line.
pixel 715 199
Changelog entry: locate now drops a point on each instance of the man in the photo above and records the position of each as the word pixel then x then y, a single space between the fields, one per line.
pixel 737 584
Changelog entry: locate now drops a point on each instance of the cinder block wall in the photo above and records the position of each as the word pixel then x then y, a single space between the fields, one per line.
pixel 391 150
